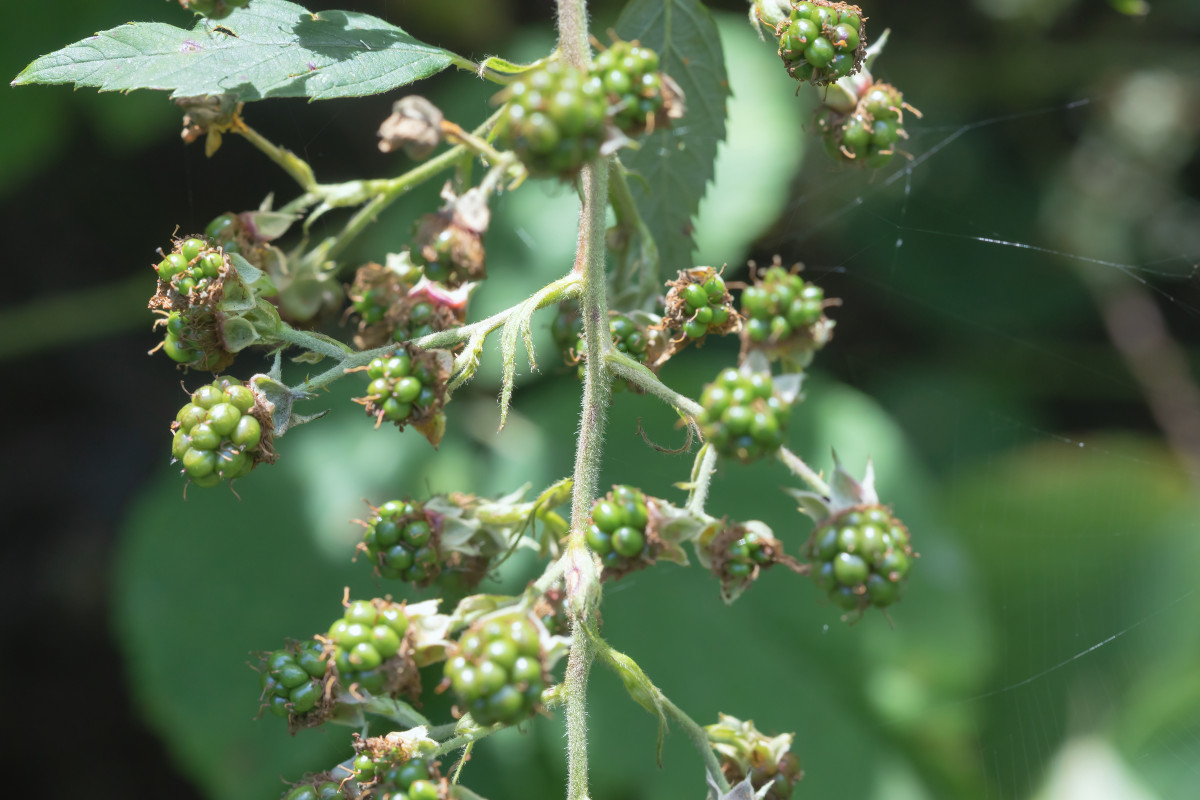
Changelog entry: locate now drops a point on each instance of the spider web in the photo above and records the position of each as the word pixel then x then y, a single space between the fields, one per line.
pixel 1075 699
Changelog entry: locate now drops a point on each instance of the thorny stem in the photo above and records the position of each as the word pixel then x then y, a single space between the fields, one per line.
pixel 804 472
pixel 702 472
pixel 582 578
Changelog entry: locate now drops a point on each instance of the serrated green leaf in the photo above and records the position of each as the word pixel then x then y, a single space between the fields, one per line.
pixel 677 162
pixel 271 48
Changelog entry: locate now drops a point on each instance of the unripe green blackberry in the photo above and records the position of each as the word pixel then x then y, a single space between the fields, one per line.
pixel 192 339
pixel 698 304
pixel 822 41
pixel 193 273
pixel 367 648
pixel 222 434
pixel 448 251
pixel 554 119
pixel 861 557
pixel 390 767
pixel 402 542
pixel 632 85
pixel 868 135
pixel 747 753
pixel 317 788
pixel 618 532
pixel 566 330
pixel 497 670
pixel 785 317
pixel 213 9
pixel 627 336
pixel 743 417
pixel 407 387
pixel 293 679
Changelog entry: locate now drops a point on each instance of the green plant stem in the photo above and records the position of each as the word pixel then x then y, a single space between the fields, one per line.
pixel 313 343
pixel 702 472
pixel 658 700
pixel 627 214
pixel 292 164
pixel 699 739
pixel 551 698
pixel 639 374
pixel 390 192
pixel 803 471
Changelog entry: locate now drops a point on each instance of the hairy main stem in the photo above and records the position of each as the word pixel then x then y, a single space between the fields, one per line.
pixel 581 574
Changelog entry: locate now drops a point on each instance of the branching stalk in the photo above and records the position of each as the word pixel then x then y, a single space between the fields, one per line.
pixel 804 472
pixel 702 472
pixel 624 366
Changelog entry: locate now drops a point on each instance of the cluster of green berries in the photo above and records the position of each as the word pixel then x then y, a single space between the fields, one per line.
pixel 743 417
pixel 184 344
pixel 447 251
pixel 566 329
pixel 217 437
pixel 497 672
pixel 395 778
pixel 782 774
pixel 227 232
pixel 627 336
pixel 421 320
pixel 554 119
pixel 401 388
pixel 632 83
pixel 861 557
pixel 822 41
pixel 618 530
pixel 699 304
pixel 193 269
pixel 368 634
pixel 213 9
pixel 745 553
pixel 401 543
pixel 292 679
pixel 320 790
pixel 867 135
pixel 780 305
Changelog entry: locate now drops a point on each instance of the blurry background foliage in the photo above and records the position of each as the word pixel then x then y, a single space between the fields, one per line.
pixel 1014 401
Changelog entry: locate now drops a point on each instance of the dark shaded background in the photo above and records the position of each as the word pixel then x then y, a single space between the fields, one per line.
pixel 982 355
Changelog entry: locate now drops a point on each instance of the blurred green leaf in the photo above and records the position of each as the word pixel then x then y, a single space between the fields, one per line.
pixel 677 162
pixel 271 48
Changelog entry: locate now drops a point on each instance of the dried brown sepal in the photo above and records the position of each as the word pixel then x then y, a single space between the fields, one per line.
pixel 208 115
pixel 415 125
pixel 676 313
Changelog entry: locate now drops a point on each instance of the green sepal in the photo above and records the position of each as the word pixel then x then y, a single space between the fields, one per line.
pixel 501 70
